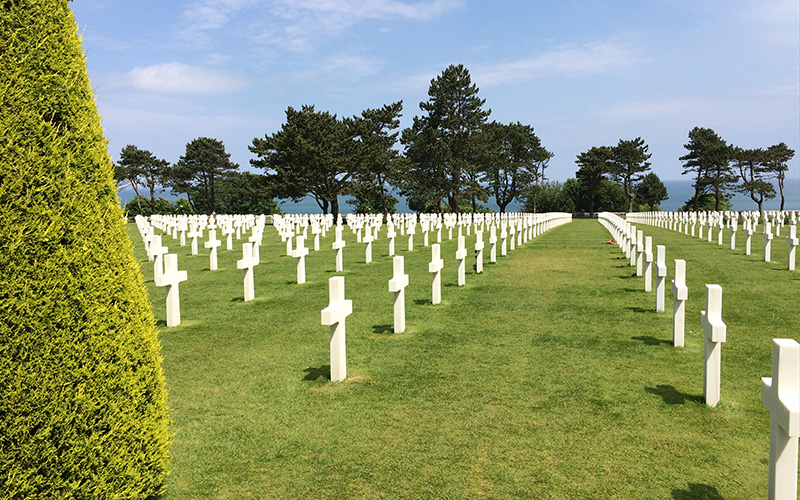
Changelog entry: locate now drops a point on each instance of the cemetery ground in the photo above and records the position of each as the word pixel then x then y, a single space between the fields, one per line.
pixel 550 375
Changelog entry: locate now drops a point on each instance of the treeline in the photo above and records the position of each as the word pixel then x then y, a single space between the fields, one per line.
pixel 452 160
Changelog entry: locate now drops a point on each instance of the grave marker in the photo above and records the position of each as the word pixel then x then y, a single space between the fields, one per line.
pixel 648 263
pixel 767 242
pixel 715 330
pixel 170 279
pixel 791 242
pixel 398 285
pixel 680 293
pixel 338 245
pixel 781 395
pixel 212 243
pixel 435 268
pixel 334 316
pixel 661 276
pixel 461 255
pixel 247 262
pixel 300 253
pixel 478 251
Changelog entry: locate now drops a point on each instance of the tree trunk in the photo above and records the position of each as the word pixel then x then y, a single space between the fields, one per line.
pixel 780 188
pixel 335 208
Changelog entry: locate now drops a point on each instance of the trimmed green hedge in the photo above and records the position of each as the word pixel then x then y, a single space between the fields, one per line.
pixel 83 403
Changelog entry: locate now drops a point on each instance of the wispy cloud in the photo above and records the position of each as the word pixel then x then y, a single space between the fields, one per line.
pixel 570 60
pixel 178 78
pixel 591 58
pixel 776 20
pixel 300 24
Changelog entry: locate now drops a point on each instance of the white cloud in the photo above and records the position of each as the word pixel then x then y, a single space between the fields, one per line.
pixel 178 78
pixel 300 24
pixel 571 60
pixel 591 58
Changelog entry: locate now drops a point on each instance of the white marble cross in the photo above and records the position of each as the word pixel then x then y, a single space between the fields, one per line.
pixel 748 235
pixel 767 242
pixel 734 226
pixel 792 242
pixel 227 231
pixel 781 395
pixel 289 235
pixel 478 251
pixel 157 250
pixel 334 316
pixel 715 330
pixel 503 240
pixel 720 229
pixel 435 268
pixel 412 228
pixel 247 262
pixel 194 233
pixel 212 243
pixel 661 276
pixel 493 243
pixel 316 230
pixel 391 234
pixel 461 255
pixel 680 293
pixel 398 285
pixel 338 245
pixel 648 263
pixel 368 239
pixel 170 279
pixel 300 253
pixel 639 249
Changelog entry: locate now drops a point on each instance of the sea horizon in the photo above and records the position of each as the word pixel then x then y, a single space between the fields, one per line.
pixel 679 191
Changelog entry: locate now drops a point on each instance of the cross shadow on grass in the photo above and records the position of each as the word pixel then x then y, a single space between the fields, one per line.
pixel 161 323
pixel 640 309
pixel 697 492
pixel 380 329
pixel 672 396
pixel 650 340
pixel 627 277
pixel 318 373
pixel 422 302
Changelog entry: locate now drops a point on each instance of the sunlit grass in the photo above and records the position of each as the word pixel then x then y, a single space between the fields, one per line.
pixel 548 376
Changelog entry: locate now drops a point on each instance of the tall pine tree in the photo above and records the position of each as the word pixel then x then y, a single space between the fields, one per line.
pixel 83 410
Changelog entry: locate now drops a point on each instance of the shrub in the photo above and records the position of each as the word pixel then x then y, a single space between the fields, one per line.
pixel 83 409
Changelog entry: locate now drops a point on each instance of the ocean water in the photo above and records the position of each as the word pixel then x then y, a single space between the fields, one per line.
pixel 679 192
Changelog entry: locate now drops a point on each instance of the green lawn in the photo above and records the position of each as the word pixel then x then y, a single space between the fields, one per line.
pixel 548 376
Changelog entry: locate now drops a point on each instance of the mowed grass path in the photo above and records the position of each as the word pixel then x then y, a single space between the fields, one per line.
pixel 550 375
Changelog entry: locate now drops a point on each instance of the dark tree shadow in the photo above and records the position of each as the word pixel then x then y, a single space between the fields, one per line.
pixel 315 373
pixel 379 329
pixel 671 396
pixel 697 492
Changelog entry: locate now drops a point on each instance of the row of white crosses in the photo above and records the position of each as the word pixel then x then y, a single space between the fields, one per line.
pixel 339 308
pixel 630 239
pixel 681 221
pixel 779 393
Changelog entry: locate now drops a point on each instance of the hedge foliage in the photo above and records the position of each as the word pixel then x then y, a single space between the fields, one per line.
pixel 83 404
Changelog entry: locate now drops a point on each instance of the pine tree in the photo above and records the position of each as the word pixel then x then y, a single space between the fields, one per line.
pixel 83 409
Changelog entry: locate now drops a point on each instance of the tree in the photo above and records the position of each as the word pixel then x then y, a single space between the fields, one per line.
pixel 778 157
pixel 514 160
pixel 650 193
pixel 82 392
pixel 550 197
pixel 628 164
pixel 311 154
pixel 753 167
pixel 199 172
pixel 595 164
pixel 709 159
pixel 378 163
pixel 245 193
pixel 139 166
pixel 442 145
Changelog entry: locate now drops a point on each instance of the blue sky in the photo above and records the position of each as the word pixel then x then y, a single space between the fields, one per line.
pixel 582 73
